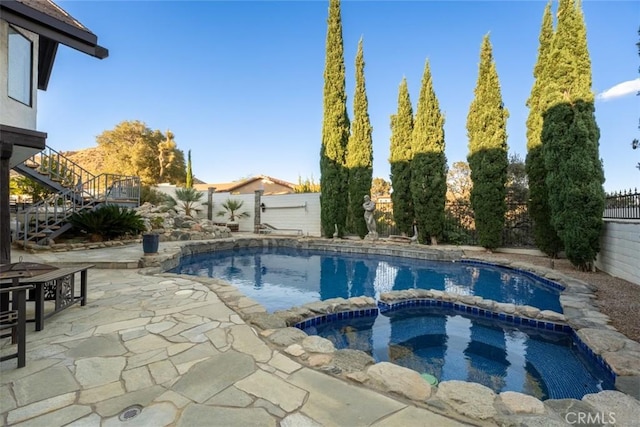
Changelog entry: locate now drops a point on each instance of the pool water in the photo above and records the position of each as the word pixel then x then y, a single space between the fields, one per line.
pixel 281 278
pixel 450 346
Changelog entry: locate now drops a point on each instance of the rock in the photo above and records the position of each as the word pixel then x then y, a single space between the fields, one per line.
pixel 352 360
pixel 519 403
pixel 602 341
pixel 316 344
pixel 470 399
pixel 320 359
pixel 570 409
pixel 623 362
pixel 551 316
pixel 397 379
pixel 286 337
pixel 615 407
pixel 267 321
pixel 629 384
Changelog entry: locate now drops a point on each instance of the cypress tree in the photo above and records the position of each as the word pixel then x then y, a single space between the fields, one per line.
pixel 189 183
pixel 429 163
pixel 488 160
pixel 359 157
pixel 335 131
pixel 570 141
pixel 546 237
pixel 400 161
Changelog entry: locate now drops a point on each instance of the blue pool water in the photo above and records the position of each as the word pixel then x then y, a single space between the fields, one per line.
pixel 281 278
pixel 449 346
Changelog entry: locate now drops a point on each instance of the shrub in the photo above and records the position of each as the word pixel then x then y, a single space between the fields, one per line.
pixel 151 195
pixel 108 222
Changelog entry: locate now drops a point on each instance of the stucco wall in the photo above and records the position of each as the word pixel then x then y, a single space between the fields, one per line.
pixel 15 113
pixel 620 249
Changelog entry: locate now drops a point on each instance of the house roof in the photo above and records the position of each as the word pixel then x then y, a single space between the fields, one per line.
pixel 54 26
pixel 234 186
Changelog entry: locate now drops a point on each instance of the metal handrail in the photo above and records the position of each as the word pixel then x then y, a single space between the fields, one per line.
pixel 83 190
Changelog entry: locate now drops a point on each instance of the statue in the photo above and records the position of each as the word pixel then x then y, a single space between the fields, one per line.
pixel 369 207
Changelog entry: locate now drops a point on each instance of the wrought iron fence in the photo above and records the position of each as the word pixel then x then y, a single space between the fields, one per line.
pixel 460 224
pixel 623 205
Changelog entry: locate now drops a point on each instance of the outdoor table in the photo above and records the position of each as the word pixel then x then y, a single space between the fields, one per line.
pixel 57 285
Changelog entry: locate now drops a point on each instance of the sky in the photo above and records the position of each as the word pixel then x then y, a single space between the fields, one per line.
pixel 240 83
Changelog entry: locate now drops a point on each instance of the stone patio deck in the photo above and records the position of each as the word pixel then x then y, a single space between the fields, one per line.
pixel 169 351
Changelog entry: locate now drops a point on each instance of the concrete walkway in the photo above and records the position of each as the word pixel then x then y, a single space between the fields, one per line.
pixel 158 351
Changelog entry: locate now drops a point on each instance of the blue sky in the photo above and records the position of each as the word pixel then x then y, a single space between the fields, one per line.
pixel 240 83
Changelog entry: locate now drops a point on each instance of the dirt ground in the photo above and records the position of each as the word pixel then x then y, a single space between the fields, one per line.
pixel 617 298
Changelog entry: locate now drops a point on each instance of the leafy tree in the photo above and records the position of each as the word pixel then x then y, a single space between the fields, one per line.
pixel 487 132
pixel 131 148
pixel 570 141
pixel 307 186
pixel 166 154
pixel 359 156
pixel 335 131
pixel 186 199
pixel 545 235
pixel 21 185
pixel 429 164
pixel 380 187
pixel 400 159
pixel 517 181
pixel 189 180
pixel 459 182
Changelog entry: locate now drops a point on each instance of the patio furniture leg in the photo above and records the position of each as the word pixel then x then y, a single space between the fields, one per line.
pixel 39 306
pixel 83 287
pixel 21 328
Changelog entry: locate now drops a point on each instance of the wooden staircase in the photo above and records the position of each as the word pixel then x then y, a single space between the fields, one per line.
pixel 74 189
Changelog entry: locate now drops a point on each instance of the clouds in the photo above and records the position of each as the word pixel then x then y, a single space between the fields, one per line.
pixel 621 89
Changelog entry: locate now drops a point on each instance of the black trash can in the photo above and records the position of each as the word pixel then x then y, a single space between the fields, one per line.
pixel 150 243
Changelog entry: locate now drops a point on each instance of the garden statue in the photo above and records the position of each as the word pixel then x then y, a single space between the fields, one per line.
pixel 369 207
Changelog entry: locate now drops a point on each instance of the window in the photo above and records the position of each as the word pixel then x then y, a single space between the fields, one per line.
pixel 19 75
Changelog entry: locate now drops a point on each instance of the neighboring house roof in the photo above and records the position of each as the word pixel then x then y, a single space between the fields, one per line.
pixel 238 186
pixel 54 26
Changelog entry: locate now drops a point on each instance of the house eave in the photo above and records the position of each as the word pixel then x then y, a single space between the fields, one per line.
pixel 52 32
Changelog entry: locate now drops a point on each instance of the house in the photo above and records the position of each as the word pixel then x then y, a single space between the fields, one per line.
pixel 269 184
pixel 30 33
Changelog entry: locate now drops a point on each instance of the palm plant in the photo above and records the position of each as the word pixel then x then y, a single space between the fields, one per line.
pixel 232 208
pixel 186 199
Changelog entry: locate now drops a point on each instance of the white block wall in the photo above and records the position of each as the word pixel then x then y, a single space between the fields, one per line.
pixel 293 211
pixel 620 249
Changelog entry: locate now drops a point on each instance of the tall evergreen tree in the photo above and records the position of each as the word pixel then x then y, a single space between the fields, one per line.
pixel 546 237
pixel 400 160
pixel 429 163
pixel 359 157
pixel 189 182
pixel 488 160
pixel 335 131
pixel 570 141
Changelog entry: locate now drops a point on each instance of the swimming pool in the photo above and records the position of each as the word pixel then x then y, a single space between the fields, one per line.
pixel 445 343
pixel 282 277
pixel 450 346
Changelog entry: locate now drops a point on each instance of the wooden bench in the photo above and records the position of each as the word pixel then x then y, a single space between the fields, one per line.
pixel 58 286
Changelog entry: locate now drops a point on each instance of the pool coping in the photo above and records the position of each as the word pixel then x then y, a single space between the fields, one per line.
pixel 613 351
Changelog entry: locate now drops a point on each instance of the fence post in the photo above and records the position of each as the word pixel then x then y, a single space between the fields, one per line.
pixel 257 210
pixel 210 192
